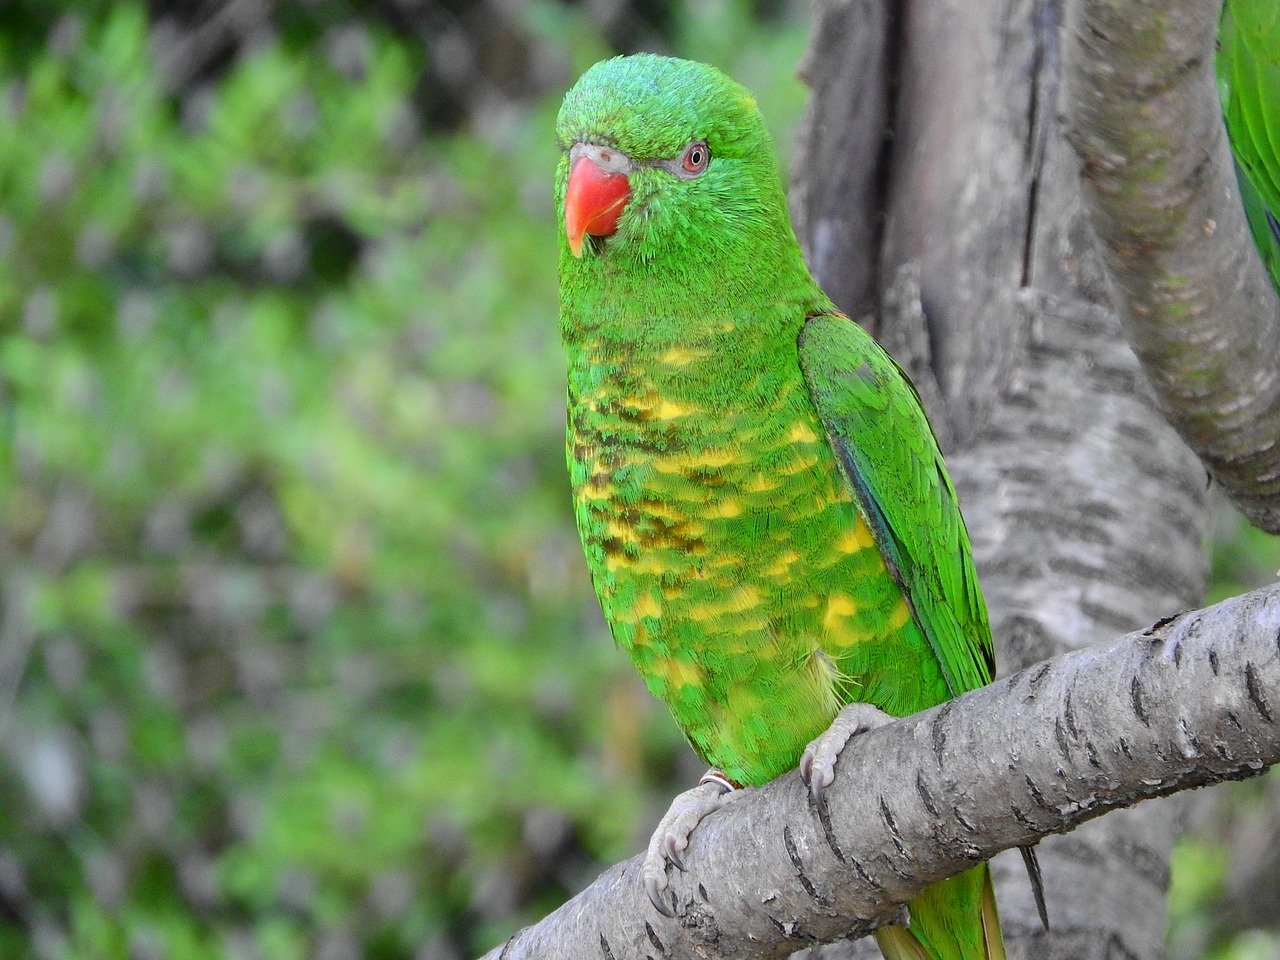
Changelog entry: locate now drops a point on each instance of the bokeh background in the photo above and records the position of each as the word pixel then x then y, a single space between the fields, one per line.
pixel 298 655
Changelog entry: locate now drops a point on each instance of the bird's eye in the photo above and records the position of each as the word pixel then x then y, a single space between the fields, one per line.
pixel 695 158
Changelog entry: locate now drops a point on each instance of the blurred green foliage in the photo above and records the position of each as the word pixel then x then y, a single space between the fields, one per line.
pixel 298 657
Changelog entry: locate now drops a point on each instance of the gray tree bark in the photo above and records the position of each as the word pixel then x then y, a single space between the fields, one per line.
pixel 1197 304
pixel 939 201
pixel 1086 512
pixel 1189 701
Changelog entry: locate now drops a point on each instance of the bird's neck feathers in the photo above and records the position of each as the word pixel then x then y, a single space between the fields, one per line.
pixel 724 266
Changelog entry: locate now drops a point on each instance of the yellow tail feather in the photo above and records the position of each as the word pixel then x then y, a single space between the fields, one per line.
pixel 897 943
pixel 941 941
pixel 991 936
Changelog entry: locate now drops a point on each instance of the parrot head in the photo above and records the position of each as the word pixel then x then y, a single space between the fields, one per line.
pixel 663 159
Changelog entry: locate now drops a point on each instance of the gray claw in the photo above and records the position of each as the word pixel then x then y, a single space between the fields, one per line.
pixel 655 897
pixel 676 858
pixel 670 840
pixel 818 794
pixel 806 768
pixel 818 762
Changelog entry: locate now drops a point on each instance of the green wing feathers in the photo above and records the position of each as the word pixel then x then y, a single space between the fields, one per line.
pixel 1248 67
pixel 890 457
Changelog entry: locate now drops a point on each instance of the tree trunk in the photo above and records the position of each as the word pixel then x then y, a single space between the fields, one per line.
pixel 1087 512
pixel 937 191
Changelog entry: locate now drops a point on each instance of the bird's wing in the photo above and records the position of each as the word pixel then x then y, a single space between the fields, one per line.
pixel 1248 66
pixel 891 460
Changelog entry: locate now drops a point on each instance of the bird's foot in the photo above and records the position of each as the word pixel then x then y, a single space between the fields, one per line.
pixel 818 763
pixel 671 838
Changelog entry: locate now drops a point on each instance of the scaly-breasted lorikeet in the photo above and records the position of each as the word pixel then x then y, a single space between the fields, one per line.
pixel 765 512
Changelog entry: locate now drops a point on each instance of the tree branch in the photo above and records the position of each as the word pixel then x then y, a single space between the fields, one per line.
pixel 1189 702
pixel 1160 188
pixel 836 215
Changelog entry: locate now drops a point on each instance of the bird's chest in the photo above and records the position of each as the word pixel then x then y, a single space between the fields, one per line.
pixel 697 496
pixel 728 554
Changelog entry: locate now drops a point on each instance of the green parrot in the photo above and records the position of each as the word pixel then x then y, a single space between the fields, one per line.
pixel 765 512
pixel 1248 66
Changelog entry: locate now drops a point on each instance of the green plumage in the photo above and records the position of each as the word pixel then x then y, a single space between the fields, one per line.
pixel 1248 66
pixel 766 515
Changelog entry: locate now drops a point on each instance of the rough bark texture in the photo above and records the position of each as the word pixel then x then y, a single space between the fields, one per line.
pixel 1086 511
pixel 1197 304
pixel 837 213
pixel 1184 703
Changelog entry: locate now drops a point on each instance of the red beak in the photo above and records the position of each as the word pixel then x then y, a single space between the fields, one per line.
pixel 593 202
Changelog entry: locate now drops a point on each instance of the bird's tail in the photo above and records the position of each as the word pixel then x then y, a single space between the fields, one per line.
pixel 956 919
